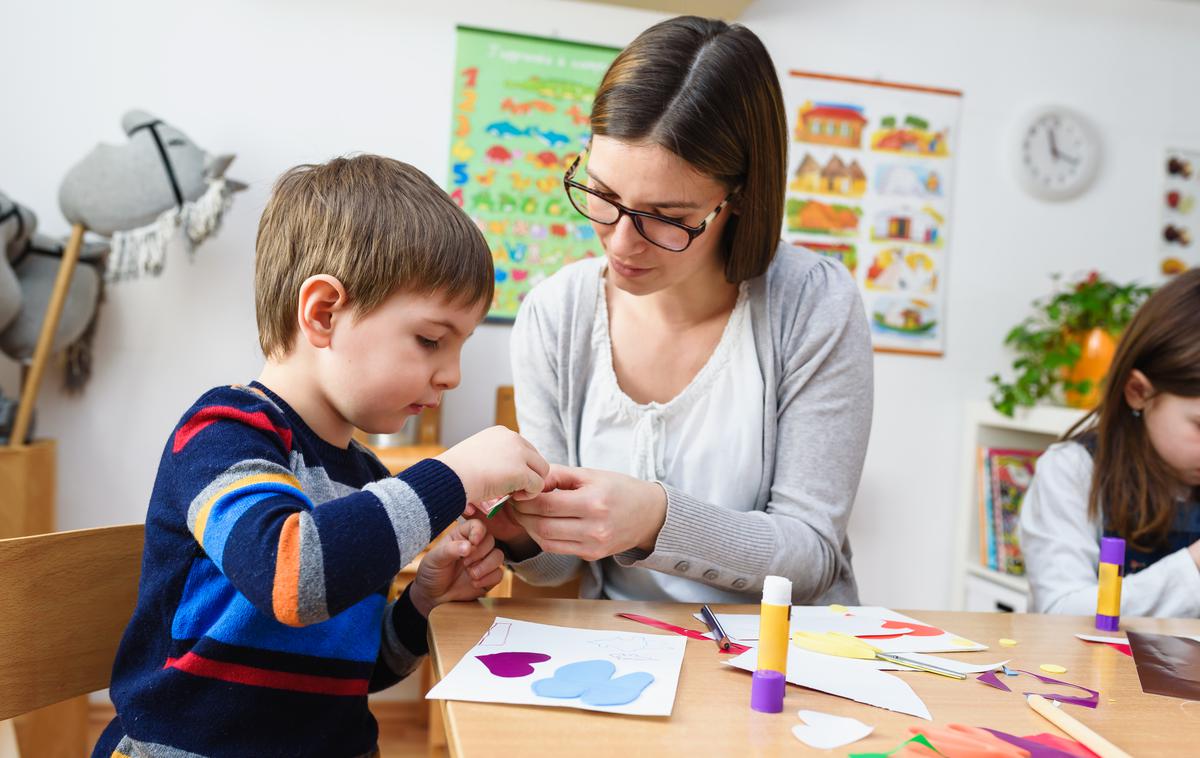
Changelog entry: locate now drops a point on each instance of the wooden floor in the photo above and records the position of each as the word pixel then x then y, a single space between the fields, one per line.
pixel 403 728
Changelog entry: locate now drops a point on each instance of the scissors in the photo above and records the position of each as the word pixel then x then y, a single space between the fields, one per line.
pixel 845 646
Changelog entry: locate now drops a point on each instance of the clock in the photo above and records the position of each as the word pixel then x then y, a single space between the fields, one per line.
pixel 1057 153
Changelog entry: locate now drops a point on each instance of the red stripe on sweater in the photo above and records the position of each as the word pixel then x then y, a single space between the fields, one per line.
pixel 252 675
pixel 205 417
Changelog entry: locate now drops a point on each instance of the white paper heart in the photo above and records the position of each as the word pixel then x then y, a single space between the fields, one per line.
pixel 825 731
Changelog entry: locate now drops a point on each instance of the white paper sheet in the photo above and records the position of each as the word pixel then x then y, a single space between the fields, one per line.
pixel 744 627
pixel 960 667
pixel 824 731
pixel 1102 638
pixel 660 655
pixel 857 621
pixel 844 677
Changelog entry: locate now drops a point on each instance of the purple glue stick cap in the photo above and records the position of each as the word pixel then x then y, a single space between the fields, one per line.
pixel 766 691
pixel 1112 550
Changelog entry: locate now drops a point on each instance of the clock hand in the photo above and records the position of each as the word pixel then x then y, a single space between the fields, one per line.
pixel 1053 144
pixel 1069 159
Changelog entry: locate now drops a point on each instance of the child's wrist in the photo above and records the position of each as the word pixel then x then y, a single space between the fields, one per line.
pixel 420 600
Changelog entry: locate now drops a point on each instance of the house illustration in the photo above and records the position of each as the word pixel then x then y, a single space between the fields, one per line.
pixel 830 124
pixel 908 224
pixel 834 178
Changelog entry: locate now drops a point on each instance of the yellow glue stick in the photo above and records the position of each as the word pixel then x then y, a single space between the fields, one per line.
pixel 773 629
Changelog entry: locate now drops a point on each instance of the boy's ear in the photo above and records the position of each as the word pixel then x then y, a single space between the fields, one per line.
pixel 1138 390
pixel 321 298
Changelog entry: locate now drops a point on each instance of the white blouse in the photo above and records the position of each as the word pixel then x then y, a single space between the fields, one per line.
pixel 706 441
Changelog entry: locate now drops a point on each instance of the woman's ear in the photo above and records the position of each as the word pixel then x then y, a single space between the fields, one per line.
pixel 322 297
pixel 1138 390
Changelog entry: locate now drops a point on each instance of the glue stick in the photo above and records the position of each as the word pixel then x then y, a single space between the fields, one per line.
pixel 1112 568
pixel 773 631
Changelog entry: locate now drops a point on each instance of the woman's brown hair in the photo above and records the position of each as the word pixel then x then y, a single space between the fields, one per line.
pixel 707 91
pixel 1132 486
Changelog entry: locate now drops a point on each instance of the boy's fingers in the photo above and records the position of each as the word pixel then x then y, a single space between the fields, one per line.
pixel 491 580
pixel 473 531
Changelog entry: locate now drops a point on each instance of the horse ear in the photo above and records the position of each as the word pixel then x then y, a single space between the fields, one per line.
pixel 235 186
pixel 216 165
pixel 135 118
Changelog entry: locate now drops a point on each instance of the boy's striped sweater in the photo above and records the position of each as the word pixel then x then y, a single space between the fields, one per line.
pixel 262 619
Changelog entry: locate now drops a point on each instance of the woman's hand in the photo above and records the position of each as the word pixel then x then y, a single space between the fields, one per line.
pixel 592 514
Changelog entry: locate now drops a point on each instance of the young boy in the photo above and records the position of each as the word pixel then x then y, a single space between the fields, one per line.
pixel 272 536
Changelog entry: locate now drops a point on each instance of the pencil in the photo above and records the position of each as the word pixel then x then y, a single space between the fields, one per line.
pixel 714 626
pixel 1074 728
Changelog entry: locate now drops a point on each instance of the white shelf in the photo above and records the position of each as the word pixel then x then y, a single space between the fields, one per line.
pixel 1050 420
pixel 1014 583
pixel 1031 428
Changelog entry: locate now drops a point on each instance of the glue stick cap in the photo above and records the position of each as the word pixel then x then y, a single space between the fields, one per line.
pixel 1112 550
pixel 777 590
pixel 766 691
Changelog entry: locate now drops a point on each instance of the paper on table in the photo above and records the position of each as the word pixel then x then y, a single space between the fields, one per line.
pixel 743 627
pixel 659 655
pixel 844 677
pixel 903 634
pixel 921 638
pixel 1102 638
pixel 1123 640
pixel 961 667
pixel 824 731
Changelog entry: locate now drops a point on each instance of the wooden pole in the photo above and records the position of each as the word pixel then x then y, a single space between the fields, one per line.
pixel 41 354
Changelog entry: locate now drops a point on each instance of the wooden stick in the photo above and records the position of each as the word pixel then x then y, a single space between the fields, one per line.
pixel 41 354
pixel 1074 729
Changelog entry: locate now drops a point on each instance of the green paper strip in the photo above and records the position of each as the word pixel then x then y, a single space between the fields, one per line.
pixel 920 739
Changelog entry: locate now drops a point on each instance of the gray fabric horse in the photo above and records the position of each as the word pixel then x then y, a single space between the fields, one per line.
pixel 27 273
pixel 156 189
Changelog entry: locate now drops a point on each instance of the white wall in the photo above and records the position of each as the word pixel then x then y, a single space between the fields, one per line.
pixel 287 82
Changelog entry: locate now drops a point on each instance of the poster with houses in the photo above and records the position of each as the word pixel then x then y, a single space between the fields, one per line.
pixel 520 115
pixel 870 177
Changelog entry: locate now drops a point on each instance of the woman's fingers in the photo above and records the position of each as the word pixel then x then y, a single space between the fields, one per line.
pixel 557 504
pixel 565 478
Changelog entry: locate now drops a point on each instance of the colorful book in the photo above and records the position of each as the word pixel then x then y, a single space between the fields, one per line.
pixel 987 533
pixel 1010 473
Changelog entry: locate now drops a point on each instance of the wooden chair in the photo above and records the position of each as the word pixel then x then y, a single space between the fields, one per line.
pixel 66 599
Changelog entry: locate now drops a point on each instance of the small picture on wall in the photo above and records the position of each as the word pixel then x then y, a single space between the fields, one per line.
pixel 1180 215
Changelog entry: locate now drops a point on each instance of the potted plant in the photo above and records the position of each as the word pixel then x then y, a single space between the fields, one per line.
pixel 1065 348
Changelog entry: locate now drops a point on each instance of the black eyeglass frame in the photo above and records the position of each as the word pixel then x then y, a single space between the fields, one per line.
pixel 692 231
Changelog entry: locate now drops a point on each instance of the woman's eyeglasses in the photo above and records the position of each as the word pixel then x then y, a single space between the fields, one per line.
pixel 657 230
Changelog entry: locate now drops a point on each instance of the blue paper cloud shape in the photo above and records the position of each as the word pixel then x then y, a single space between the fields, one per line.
pixel 592 683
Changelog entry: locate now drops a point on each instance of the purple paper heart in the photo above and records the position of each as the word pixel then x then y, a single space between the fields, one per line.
pixel 512 665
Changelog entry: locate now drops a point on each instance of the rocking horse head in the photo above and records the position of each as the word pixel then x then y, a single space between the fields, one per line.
pixel 27 272
pixel 142 192
pixel 17 225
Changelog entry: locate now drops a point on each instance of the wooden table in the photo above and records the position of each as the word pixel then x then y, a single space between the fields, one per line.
pixel 712 716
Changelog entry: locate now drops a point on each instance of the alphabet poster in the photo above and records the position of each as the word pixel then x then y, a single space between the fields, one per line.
pixel 519 117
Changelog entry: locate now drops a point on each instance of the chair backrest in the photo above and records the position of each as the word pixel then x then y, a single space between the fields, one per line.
pixel 65 599
pixel 506 407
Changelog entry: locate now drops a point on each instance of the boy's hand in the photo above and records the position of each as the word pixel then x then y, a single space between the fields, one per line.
pixel 463 565
pixel 504 528
pixel 496 462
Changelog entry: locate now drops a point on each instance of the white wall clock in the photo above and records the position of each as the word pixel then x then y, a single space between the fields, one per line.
pixel 1057 153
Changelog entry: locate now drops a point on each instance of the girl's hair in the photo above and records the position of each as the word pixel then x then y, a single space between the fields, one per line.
pixel 707 91
pixel 1132 485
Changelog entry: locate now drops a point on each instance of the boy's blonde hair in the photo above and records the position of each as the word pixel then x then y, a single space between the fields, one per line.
pixel 376 224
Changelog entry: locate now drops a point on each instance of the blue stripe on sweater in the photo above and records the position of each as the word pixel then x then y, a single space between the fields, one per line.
pixel 212 607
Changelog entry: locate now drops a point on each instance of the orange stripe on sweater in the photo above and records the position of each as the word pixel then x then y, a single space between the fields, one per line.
pixel 285 594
